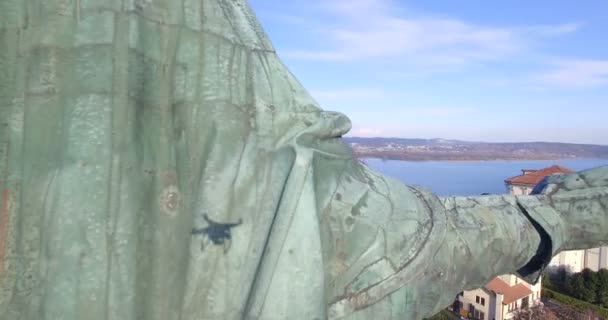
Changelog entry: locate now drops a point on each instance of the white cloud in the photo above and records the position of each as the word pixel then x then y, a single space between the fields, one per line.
pixel 380 29
pixel 410 122
pixel 574 74
pixel 555 30
pixel 440 111
pixel 343 95
pixel 368 132
pixel 440 41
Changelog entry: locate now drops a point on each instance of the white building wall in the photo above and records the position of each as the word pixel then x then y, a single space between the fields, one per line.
pixel 469 298
pixel 508 313
pixel 536 292
pixel 496 309
pixel 596 258
pixel 603 258
pixel 573 260
pixel 510 279
pixel 519 190
pixel 492 307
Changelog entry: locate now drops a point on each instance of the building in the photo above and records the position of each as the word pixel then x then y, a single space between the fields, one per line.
pixel 524 183
pixel 573 261
pixel 596 258
pixel 500 299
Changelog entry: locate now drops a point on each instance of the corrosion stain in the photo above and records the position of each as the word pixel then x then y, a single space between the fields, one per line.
pixel 3 229
pixel 169 200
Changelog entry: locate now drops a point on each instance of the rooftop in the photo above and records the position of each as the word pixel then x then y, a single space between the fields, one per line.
pixel 531 177
pixel 511 293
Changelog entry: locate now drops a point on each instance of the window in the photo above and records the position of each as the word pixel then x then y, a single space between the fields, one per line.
pixel 479 315
pixel 480 300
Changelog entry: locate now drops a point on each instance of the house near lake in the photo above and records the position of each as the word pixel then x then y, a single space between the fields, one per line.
pixel 500 299
pixel 524 183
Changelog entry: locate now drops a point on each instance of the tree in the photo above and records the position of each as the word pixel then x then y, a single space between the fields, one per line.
pixel 602 288
pixel 546 280
pixel 591 282
pixel 562 312
pixel 575 286
pixel 588 292
pixel 558 276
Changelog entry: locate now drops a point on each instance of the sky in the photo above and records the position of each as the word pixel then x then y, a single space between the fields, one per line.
pixel 496 71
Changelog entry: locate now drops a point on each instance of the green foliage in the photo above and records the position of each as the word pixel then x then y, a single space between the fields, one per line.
pixel 443 315
pixel 590 280
pixel 574 303
pixel 587 285
pixel 575 286
pixel 546 281
pixel 557 277
pixel 602 288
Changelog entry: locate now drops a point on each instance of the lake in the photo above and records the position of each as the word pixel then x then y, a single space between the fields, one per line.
pixel 468 177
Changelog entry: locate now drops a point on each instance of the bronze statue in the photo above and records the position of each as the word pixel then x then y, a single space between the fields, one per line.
pixel 125 125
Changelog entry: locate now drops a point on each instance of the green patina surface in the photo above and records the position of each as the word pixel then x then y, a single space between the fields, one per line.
pixel 127 124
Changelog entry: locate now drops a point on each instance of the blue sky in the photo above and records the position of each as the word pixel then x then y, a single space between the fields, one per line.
pixel 459 69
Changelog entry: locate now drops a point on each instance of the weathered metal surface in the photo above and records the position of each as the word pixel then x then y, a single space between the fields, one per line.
pixel 128 125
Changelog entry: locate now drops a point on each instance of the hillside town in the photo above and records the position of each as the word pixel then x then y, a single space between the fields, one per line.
pixel 442 149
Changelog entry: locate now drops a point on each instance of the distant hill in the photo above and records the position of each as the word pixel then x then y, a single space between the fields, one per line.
pixel 442 149
pixel 381 141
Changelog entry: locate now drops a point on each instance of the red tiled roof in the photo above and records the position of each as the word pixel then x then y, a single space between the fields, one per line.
pixel 517 292
pixel 497 285
pixel 534 177
pixel 511 294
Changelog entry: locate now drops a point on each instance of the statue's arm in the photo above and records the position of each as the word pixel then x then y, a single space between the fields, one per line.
pixel 572 209
pixel 565 212
pixel 491 236
pixel 466 241
pixel 395 247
